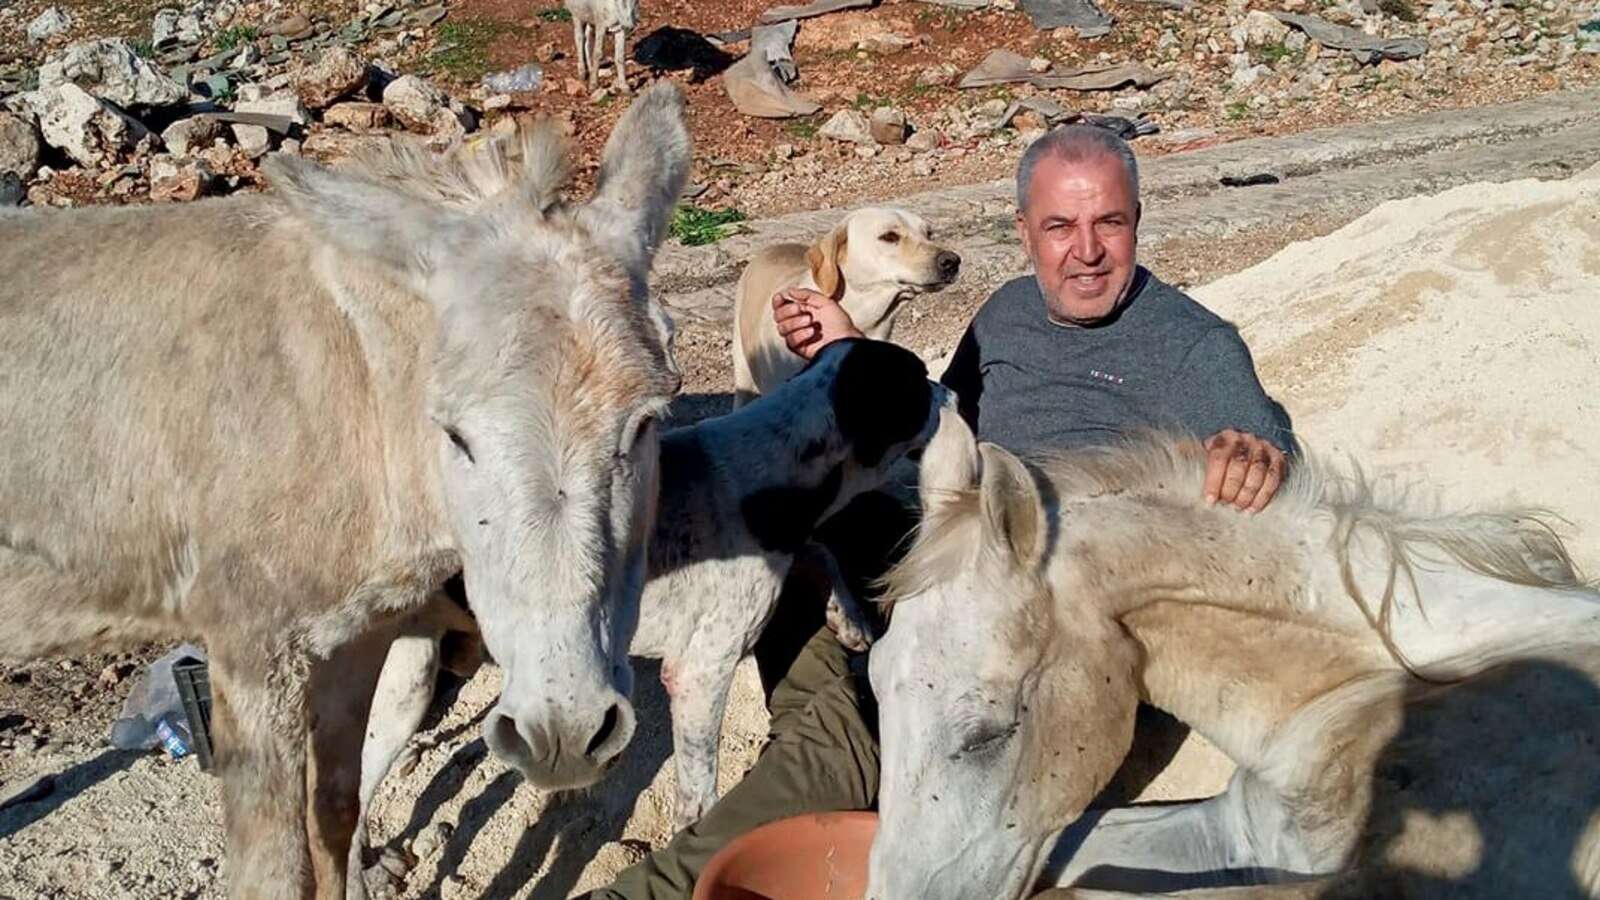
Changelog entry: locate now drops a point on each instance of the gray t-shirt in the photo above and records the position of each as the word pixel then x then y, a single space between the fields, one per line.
pixel 1034 386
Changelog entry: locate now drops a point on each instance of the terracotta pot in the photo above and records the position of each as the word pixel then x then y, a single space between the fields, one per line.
pixel 812 857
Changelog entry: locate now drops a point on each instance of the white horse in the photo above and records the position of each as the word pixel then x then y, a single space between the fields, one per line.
pixel 278 422
pixel 1410 699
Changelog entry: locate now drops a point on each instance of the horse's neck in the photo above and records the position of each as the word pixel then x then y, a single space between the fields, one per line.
pixel 1448 621
pixel 1222 609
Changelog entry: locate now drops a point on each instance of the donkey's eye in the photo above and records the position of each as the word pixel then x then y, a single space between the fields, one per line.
pixel 987 739
pixel 460 443
pixel 890 237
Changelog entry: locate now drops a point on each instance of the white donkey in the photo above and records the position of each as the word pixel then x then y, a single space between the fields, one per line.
pixel 278 422
pixel 740 494
pixel 591 21
pixel 1037 608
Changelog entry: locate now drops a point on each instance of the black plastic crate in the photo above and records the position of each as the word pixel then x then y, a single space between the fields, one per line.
pixel 194 691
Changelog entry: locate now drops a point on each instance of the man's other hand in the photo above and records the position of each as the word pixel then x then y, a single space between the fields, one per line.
pixel 1242 470
pixel 810 321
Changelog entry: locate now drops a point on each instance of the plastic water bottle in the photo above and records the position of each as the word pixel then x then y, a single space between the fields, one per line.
pixel 174 737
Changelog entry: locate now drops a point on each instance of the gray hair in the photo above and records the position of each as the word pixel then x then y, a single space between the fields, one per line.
pixel 1075 143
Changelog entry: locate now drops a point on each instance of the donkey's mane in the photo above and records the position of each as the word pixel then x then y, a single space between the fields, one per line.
pixel 1519 546
pixel 533 160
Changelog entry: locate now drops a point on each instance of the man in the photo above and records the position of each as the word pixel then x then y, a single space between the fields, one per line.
pixel 1092 346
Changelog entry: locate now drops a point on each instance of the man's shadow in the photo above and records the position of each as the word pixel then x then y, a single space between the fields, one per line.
pixel 1489 790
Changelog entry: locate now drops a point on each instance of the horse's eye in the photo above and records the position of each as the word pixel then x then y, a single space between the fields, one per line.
pixel 460 443
pixel 890 237
pixel 987 739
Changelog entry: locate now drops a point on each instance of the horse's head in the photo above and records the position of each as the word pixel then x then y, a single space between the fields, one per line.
pixel 547 367
pixel 1001 718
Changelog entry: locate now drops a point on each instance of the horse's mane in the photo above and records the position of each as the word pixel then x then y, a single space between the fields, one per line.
pixel 1518 546
pixel 468 174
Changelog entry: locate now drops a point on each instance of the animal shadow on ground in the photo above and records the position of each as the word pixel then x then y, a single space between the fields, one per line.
pixel 670 49
pixel 67 785
pixel 1488 790
pixel 584 821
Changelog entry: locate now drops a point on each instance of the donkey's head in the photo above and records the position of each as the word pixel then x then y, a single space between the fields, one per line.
pixel 546 365
pixel 1002 711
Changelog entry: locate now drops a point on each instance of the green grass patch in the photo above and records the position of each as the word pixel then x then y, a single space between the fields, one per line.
pixel 554 14
pixel 1400 9
pixel 229 38
pixel 805 127
pixel 1271 54
pixel 870 102
pixel 694 226
pixel 462 51
pixel 144 47
pixel 1236 110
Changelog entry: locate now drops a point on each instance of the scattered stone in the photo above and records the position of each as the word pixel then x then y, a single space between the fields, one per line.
pixel 885 43
pixel 923 140
pixel 26 790
pixel 867 151
pixel 87 129
pixel 254 141
pixel 939 75
pixel 1039 64
pixel 848 125
pixel 19 145
pixel 186 136
pixel 888 125
pixel 395 861
pixel 783 151
pixel 336 73
pixel 358 117
pixel 109 69
pixel 295 27
pixel 48 24
pixel 284 104
pixel 174 182
pixel 431 839
pixel 415 102
pixel 1262 29
pixel 960 4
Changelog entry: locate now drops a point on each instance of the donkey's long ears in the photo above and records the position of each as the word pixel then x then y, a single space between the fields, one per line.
pixel 1013 510
pixel 645 166
pixel 359 215
pixel 950 463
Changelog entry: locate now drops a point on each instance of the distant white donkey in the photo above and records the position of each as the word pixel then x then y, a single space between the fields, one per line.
pixel 740 495
pixel 278 422
pixel 591 20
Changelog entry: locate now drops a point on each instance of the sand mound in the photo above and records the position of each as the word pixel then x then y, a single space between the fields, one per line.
pixel 1451 340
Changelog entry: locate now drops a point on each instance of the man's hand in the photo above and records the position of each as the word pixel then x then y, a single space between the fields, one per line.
pixel 810 321
pixel 1242 469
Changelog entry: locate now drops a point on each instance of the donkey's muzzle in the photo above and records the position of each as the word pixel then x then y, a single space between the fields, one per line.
pixel 564 752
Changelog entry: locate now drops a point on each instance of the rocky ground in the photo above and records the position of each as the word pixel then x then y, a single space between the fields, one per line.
pixel 110 102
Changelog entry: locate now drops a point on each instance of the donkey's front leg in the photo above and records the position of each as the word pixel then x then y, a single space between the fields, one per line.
pixel 698 683
pixel 258 722
pixel 581 40
pixel 340 697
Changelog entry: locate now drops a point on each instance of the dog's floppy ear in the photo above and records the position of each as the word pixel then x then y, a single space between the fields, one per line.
pixel 825 258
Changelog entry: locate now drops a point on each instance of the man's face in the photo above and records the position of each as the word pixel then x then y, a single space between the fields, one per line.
pixel 1080 229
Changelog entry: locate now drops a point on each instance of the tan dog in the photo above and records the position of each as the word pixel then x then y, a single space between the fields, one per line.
pixel 871 262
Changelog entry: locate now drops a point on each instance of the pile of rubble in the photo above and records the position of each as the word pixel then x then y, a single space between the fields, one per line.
pixel 104 120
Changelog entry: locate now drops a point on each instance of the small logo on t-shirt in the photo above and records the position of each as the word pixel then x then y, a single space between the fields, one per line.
pixel 1105 376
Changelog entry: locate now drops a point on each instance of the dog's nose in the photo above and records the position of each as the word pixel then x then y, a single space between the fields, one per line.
pixel 949 264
